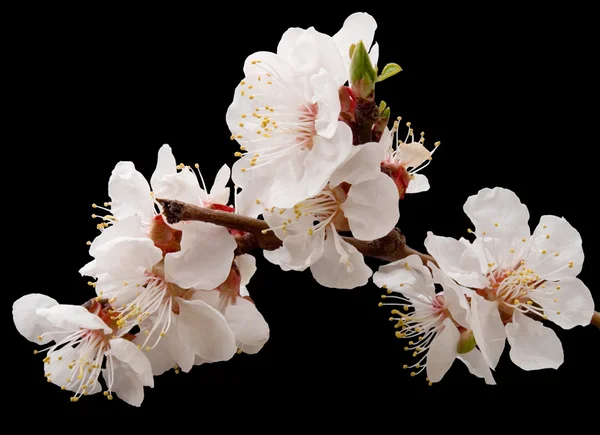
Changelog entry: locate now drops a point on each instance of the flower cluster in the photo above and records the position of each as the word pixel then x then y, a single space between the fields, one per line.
pixel 168 296
pixel 496 288
pixel 316 158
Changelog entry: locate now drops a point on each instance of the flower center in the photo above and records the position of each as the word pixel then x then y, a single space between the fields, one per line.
pixel 282 123
pixel 516 289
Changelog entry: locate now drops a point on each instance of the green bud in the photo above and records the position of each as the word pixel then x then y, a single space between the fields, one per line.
pixel 467 342
pixel 389 70
pixel 382 106
pixel 362 74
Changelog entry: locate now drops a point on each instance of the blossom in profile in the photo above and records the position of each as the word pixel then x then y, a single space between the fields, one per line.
pixel 436 323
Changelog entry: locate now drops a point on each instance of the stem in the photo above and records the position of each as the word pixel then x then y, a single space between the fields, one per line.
pixel 390 248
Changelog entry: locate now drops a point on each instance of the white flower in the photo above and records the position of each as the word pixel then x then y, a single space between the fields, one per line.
pixel 359 198
pixel 433 322
pixel 516 276
pixel 359 26
pixel 287 126
pixel 231 299
pixel 404 159
pixel 83 343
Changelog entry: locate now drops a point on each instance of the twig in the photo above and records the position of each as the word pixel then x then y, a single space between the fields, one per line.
pixel 390 248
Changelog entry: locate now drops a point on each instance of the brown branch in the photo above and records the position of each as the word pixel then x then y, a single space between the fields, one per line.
pixel 390 248
pixel 596 319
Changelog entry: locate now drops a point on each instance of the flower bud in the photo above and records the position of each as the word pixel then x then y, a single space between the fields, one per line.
pixel 362 74
pixel 382 121
pixel 467 342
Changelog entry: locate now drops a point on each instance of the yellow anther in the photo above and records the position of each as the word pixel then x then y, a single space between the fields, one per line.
pixel 558 312
pixel 383 296
pixel 547 236
pixel 570 264
pixel 109 397
pixel 512 251
pixel 413 374
pixel 251 97
pixel 516 302
pixel 496 224
pixel 437 144
pixel 405 366
pixel 529 302
pixel 544 251
pixel 469 230
pixel 88 243
pixel 557 287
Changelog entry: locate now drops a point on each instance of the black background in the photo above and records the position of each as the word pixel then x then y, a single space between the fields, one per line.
pixel 505 90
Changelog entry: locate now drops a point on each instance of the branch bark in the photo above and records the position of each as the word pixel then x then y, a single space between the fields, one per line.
pixel 391 247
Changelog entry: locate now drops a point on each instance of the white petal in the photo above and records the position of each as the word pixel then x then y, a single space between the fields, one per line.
pixel 345 269
pixel 298 252
pixel 253 184
pixel 182 186
pixel 165 165
pixel 477 366
pixel 573 300
pixel 247 266
pixel 456 259
pixel 219 192
pixel 455 299
pixel 73 317
pixel 160 357
pixel 488 329
pixel 442 351
pixel 362 164
pixel 358 26
pixel 205 331
pixel 128 353
pixel 374 54
pixel 205 258
pixel 307 51
pixel 123 258
pixel 532 345
pixel 419 183
pixel 326 95
pixel 126 384
pixel 408 276
pixel 248 325
pixel 372 208
pixel 413 154
pixel 497 206
pixel 131 226
pixel 564 240
pixel 29 324
pixel 129 193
